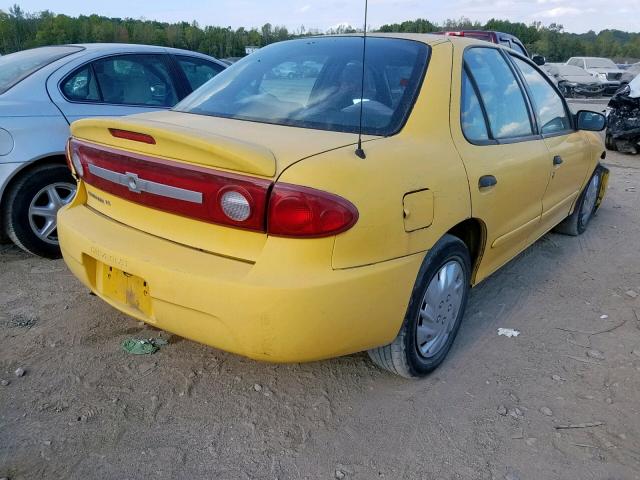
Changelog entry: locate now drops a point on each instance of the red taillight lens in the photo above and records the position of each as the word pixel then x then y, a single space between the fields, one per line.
pixel 187 190
pixel 296 211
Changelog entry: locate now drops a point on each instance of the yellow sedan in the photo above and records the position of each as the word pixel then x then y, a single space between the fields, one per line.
pixel 345 208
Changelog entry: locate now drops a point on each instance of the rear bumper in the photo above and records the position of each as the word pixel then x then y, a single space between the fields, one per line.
pixel 286 307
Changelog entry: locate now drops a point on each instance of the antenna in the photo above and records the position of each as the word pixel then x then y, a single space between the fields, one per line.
pixel 359 151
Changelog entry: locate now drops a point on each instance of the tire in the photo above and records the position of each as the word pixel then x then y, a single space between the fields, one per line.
pixel 609 143
pixel 31 207
pixel 408 356
pixel 586 206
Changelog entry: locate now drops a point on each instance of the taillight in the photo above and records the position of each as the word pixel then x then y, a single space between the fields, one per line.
pixel 187 190
pixel 296 211
pixel 73 160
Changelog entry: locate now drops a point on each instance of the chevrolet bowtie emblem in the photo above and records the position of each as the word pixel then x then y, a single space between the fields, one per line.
pixel 133 182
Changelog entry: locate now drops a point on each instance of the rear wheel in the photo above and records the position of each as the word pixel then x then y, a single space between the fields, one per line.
pixel 434 314
pixel 576 223
pixel 32 205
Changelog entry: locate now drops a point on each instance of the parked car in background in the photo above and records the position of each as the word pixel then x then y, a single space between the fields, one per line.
pixel 576 82
pixel 623 125
pixel 501 38
pixel 43 90
pixel 603 68
pixel 254 220
pixel 630 73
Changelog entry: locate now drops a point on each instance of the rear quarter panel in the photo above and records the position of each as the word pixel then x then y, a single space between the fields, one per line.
pixel 422 156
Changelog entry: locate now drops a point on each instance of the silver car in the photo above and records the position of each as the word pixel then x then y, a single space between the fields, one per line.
pixel 43 90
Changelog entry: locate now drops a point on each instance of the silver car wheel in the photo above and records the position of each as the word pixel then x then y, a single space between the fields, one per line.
pixel 590 197
pixel 439 310
pixel 44 208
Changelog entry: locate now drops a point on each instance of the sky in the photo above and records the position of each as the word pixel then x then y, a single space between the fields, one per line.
pixel 576 15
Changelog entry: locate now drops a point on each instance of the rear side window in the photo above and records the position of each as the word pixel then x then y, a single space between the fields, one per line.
pixel 500 93
pixel 549 107
pixel 16 67
pixel 473 121
pixel 82 86
pixel 197 70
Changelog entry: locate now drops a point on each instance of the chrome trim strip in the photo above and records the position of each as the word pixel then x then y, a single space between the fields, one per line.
pixel 139 185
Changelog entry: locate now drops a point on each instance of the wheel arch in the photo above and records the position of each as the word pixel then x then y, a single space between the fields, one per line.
pixel 473 232
pixel 20 172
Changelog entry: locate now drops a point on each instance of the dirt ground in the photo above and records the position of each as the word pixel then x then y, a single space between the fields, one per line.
pixel 495 410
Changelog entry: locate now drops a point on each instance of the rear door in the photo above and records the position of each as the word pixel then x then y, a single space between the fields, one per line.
pixel 506 161
pixel 117 85
pixel 568 153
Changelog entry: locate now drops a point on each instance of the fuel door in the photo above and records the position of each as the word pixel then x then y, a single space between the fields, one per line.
pixel 417 210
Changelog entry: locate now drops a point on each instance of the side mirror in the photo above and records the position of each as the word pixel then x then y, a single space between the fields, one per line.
pixel 591 121
pixel 539 60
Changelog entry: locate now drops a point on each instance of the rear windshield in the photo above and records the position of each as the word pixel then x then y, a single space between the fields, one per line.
pixel 15 67
pixel 317 83
pixel 600 63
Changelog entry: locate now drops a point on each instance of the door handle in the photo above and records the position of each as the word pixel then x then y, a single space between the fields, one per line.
pixel 487 181
pixel 557 160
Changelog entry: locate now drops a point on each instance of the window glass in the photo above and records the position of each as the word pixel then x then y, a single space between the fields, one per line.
pixel 135 80
pixel 600 63
pixel 500 92
pixel 317 83
pixel 81 86
pixel 15 67
pixel 198 71
pixel 549 107
pixel 518 49
pixel 471 116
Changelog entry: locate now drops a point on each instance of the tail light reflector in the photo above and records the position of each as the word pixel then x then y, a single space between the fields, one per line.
pixel 296 211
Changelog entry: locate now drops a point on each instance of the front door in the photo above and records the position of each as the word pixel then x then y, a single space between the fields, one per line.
pixel 568 154
pixel 507 163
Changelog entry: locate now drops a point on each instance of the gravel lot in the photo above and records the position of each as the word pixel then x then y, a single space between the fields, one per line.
pixel 496 409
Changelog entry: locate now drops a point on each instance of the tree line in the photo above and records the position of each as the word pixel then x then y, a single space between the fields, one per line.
pixel 20 30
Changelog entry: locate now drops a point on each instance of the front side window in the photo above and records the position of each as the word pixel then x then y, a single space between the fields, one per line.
pixel 317 83
pixel 549 107
pixel 197 70
pixel 500 93
pixel 15 67
pixel 135 80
